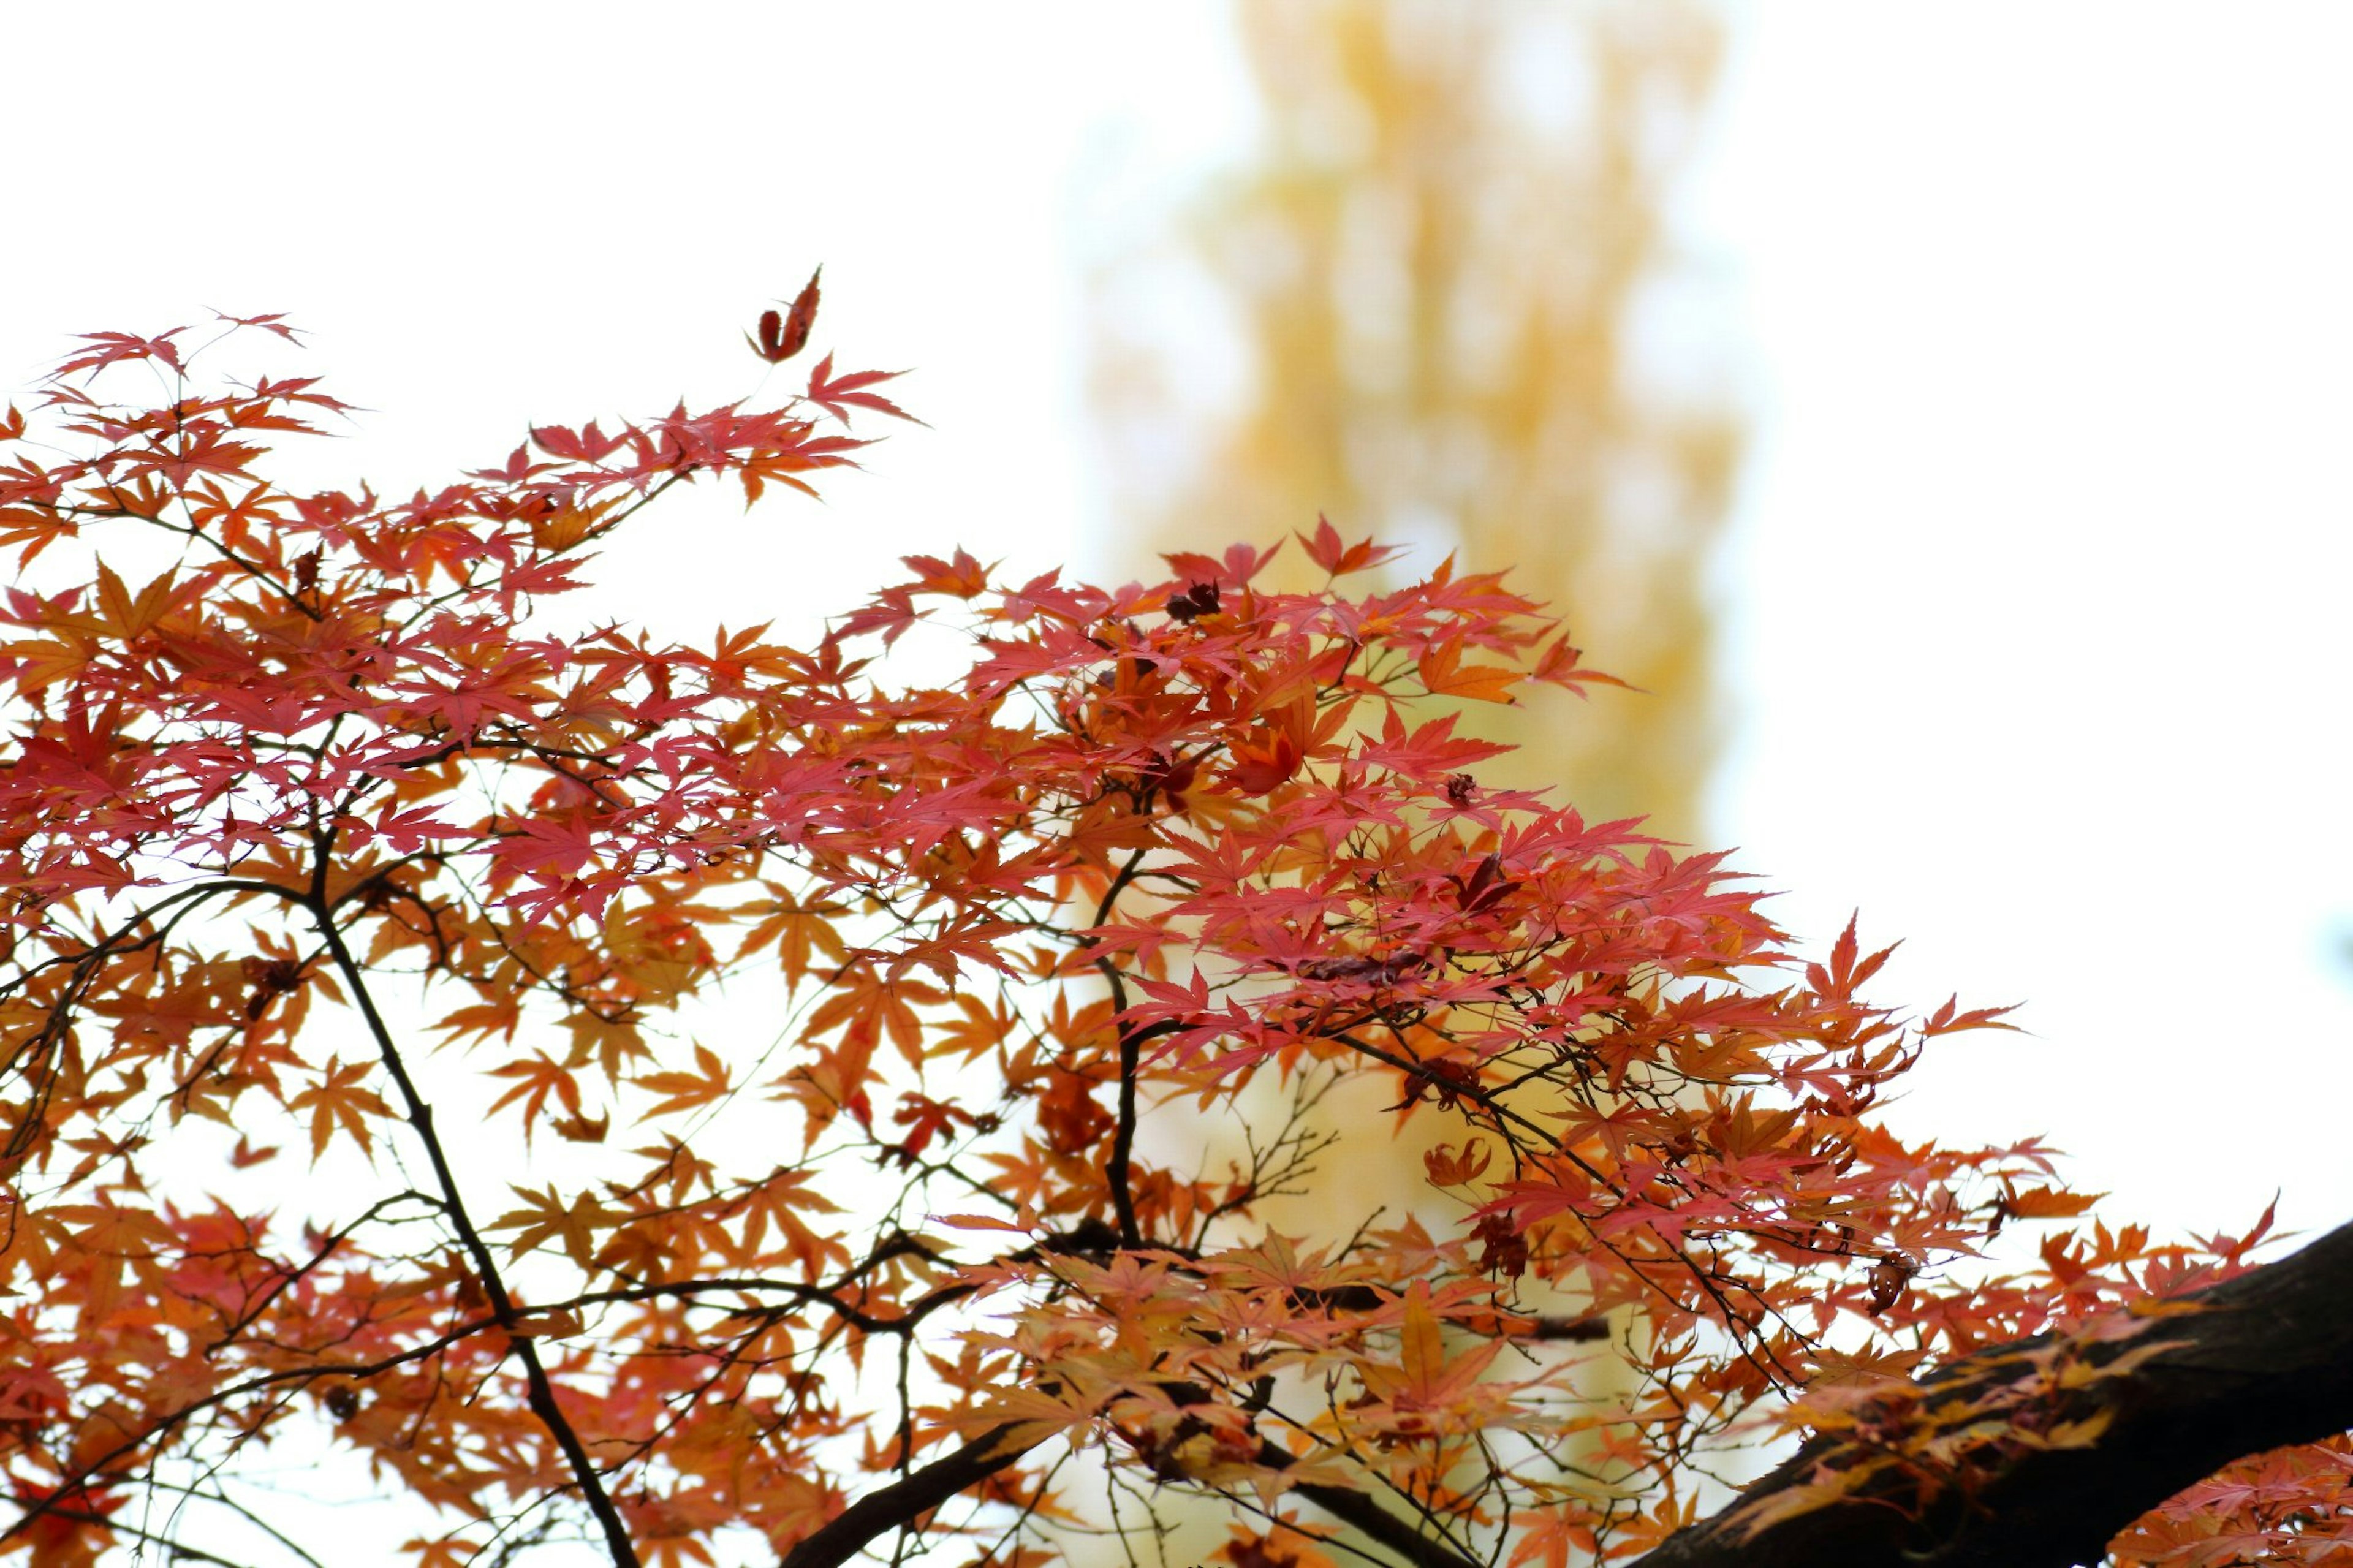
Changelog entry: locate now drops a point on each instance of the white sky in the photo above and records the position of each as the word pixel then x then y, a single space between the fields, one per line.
pixel 2044 552
pixel 2040 557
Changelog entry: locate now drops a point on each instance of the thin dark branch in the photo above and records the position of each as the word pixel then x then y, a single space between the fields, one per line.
pixel 293 1277
pixel 180 1551
pixel 1120 1172
pixel 101 1463
pixel 804 1294
pixel 540 1388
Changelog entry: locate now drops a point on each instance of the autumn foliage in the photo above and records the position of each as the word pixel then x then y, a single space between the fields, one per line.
pixel 723 1099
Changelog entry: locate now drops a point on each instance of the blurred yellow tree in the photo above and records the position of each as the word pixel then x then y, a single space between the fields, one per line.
pixel 1439 302
pixel 1438 305
pixel 1450 271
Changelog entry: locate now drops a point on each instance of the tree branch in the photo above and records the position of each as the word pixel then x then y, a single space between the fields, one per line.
pixel 908 1499
pixel 1369 1518
pixel 2268 1364
pixel 904 1501
pixel 1119 1174
pixel 541 1389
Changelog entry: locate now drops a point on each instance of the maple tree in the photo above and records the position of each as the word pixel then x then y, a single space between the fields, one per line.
pixel 750 1103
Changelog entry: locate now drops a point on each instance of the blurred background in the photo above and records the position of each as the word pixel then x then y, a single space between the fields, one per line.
pixel 1941 414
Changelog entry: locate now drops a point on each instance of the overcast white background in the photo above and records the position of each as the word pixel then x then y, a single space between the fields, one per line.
pixel 2041 314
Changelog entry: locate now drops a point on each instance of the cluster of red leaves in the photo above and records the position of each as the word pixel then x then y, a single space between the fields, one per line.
pixel 312 840
pixel 2291 1505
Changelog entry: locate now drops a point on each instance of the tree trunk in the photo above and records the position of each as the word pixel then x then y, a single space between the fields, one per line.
pixel 2270 1365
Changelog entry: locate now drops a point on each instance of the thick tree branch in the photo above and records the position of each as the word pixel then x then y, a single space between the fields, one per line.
pixel 910 1497
pixel 1370 1519
pixel 2268 1364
